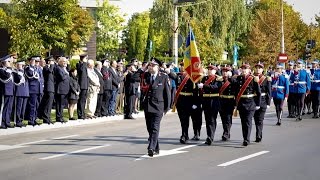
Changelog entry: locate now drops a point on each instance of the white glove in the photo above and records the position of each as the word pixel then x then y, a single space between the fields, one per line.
pixel 229 73
pixel 200 85
pixel 194 107
pixel 257 107
pixel 268 106
pixel 8 70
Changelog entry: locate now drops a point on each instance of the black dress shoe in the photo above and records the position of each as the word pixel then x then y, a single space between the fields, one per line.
pixel 278 124
pixel 150 152
pixel 128 117
pixel 183 140
pixel 156 152
pixel 3 127
pixel 258 140
pixel 196 138
pixel 72 119
pixel 245 143
pixel 224 138
pixel 208 141
pixel 308 112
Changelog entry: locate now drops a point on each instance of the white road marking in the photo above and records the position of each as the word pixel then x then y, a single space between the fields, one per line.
pixel 65 137
pixel 8 147
pixel 74 152
pixel 45 140
pixel 168 152
pixel 243 158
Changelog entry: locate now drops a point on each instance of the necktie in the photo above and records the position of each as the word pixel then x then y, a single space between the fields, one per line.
pixel 152 79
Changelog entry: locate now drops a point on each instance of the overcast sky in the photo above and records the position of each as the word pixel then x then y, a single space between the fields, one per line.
pixel 307 8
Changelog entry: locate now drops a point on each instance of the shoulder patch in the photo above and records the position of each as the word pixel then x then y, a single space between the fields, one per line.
pixel 269 78
pixel 256 78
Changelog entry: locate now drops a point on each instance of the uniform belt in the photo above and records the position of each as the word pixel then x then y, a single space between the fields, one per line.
pixel 211 95
pixel 278 87
pixel 185 94
pixel 316 81
pixel 227 96
pixel 292 84
pixel 263 94
pixel 300 82
pixel 247 96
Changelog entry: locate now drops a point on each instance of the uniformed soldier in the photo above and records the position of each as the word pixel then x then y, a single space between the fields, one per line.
pixel 84 84
pixel 265 99
pixel 48 97
pixel 156 103
pixel 292 91
pixel 302 84
pixel 131 77
pixel 188 103
pixel 22 95
pixel 227 101
pixel 247 88
pixel 34 77
pixel 280 90
pixel 307 101
pixel 209 88
pixel 7 85
pixel 315 88
pixel 62 87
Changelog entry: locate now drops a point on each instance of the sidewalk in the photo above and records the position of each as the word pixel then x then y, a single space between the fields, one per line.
pixel 70 123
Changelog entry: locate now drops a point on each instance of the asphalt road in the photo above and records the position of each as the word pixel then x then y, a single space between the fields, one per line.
pixel 117 150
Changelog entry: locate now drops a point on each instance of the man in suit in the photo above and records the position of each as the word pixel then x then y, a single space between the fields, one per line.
pixel 115 87
pixel 48 97
pixel 35 78
pixel 156 103
pixel 131 78
pixel 120 97
pixel 22 95
pixel 93 90
pixel 97 70
pixel 62 87
pixel 107 87
pixel 83 82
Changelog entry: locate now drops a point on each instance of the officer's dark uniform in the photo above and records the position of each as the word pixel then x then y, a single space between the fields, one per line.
pixel 62 88
pixel 107 88
pixel 265 100
pixel 227 104
pixel 84 83
pixel 315 90
pixel 130 92
pixel 35 78
pixel 189 104
pixel 292 93
pixel 48 92
pixel 247 103
pixel 100 94
pixel 22 95
pixel 7 86
pixel 156 103
pixel 211 103
pixel 308 100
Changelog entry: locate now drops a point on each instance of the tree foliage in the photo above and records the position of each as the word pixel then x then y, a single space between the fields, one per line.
pixel 110 24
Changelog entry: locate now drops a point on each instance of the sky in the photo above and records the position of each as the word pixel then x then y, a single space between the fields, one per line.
pixel 307 8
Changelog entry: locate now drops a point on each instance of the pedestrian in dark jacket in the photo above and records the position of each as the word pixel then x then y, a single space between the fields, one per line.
pixel 73 93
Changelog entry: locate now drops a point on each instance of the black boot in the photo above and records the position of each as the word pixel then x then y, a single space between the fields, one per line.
pixel 279 119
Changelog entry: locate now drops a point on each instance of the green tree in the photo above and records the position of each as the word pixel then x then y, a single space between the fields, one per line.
pixel 110 24
pixel 137 35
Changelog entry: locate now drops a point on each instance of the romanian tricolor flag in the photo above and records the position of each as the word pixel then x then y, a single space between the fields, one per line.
pixel 192 62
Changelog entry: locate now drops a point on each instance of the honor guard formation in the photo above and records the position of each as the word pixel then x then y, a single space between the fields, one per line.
pixel 30 90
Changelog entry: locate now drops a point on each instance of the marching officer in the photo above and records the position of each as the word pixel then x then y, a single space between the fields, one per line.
pixel 246 89
pixel 156 103
pixel 280 90
pixel 34 76
pixel 292 91
pixel 265 99
pixel 302 84
pixel 22 95
pixel 48 97
pixel 227 101
pixel 84 84
pixel 315 88
pixel 7 85
pixel 188 103
pixel 307 101
pixel 62 87
pixel 209 88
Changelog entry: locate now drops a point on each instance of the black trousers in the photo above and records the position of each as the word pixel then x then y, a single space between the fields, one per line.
pixel 153 126
pixel 173 94
pixel 278 103
pixel 292 104
pixel 129 104
pixel 210 115
pixel 20 109
pixel 315 97
pixel 99 105
pixel 258 120
pixel 300 102
pixel 226 112
pixel 46 106
pixel 246 123
pixel 307 104
pixel 7 110
pixel 60 99
pixel 82 103
pixel 105 102
pixel 185 111
pixel 32 108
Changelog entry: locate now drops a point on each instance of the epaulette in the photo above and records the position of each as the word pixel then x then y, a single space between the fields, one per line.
pixel 256 78
pixel 219 78
pixel 269 78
